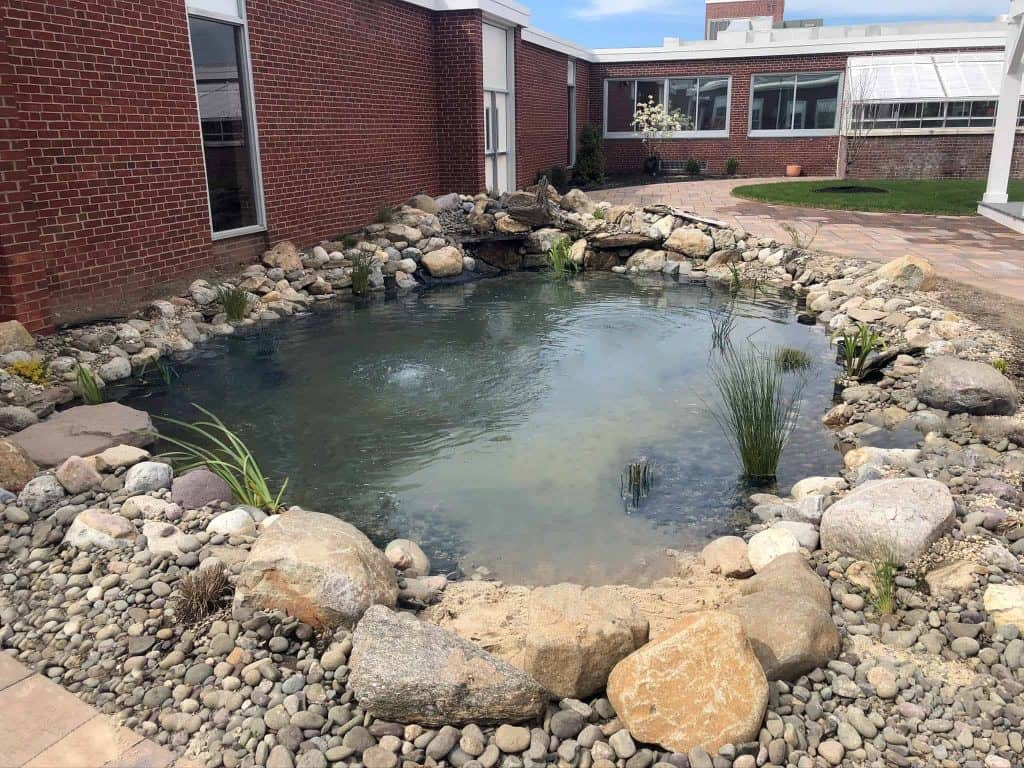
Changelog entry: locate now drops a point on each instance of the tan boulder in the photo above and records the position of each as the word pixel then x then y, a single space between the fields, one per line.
pixel 1005 605
pixel 284 256
pixel 700 685
pixel 909 271
pixel 690 242
pixel 578 252
pixel 16 468
pixel 77 474
pixel 646 260
pixel 578 201
pixel 509 226
pixel 424 203
pixel 444 262
pixel 14 338
pixel 317 568
pixel 952 579
pixel 789 573
pixel 728 556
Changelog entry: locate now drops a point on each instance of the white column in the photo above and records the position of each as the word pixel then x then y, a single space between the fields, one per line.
pixel 1006 117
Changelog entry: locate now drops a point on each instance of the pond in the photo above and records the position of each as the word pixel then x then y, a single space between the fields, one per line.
pixel 492 421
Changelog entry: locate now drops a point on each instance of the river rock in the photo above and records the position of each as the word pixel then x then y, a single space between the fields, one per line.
pixel 16 468
pixel 790 634
pixel 444 262
pixel 235 522
pixel 14 338
pixel 167 539
pixel 950 580
pixel 728 556
pixel 789 574
pixel 646 260
pixel 96 529
pixel 317 568
pixel 408 557
pixel 198 488
pixel 148 476
pixel 690 242
pixel 966 386
pixel 881 518
pixel 699 685
pixel 285 256
pixel 410 671
pixel 77 475
pixel 83 431
pixel 911 272
pixel 14 418
pixel 40 492
pixel 117 457
pixel 769 544
pixel 1005 604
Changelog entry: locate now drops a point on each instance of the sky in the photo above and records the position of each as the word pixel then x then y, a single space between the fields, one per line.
pixel 628 23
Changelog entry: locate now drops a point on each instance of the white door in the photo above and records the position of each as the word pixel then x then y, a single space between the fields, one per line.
pixel 499 125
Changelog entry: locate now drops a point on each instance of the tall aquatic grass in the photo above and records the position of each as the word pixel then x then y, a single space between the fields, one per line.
pixel 636 482
pixel 756 409
pixel 89 385
pixel 722 326
pixel 885 566
pixel 236 302
pixel 362 268
pixel 855 347
pixel 560 259
pixel 221 451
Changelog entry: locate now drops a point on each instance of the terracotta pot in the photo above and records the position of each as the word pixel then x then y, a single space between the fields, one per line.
pixel 792 171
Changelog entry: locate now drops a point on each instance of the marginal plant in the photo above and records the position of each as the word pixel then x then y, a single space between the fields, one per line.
pixel 560 258
pixel 636 482
pixel 790 359
pixel 235 301
pixel 732 166
pixel 801 240
pixel 1001 365
pixel 722 326
pixel 884 569
pixel 89 385
pixel 221 451
pixel 856 346
pixel 735 280
pixel 31 370
pixel 755 409
pixel 599 214
pixel 385 214
pixel 362 268
pixel 165 373
pixel 693 167
pixel 201 593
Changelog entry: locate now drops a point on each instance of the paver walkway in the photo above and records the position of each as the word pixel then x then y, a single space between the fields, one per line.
pixel 968 249
pixel 44 726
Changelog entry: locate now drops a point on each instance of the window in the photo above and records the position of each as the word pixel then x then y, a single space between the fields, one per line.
pixel 795 103
pixel 929 115
pixel 703 100
pixel 224 114
pixel 572 112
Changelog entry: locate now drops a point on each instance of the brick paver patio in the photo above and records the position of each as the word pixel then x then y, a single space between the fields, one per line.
pixel 44 726
pixel 971 249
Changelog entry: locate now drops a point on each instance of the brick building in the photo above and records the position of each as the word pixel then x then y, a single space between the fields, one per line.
pixel 142 142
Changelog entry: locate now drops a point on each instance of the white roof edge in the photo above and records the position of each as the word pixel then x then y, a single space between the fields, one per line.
pixel 503 10
pixel 545 40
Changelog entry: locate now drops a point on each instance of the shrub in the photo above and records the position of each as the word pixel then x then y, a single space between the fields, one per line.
pixel 201 593
pixel 755 410
pixel 236 302
pixel 790 359
pixel 362 268
pixel 589 167
pixel 693 167
pixel 349 241
pixel 856 347
pixel 31 370
pixel 222 452
pixel 90 386
pixel 560 258
pixel 732 166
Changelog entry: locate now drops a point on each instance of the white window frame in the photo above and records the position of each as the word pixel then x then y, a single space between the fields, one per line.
pixel 849 130
pixel 795 132
pixel 691 134
pixel 571 92
pixel 490 152
pixel 193 10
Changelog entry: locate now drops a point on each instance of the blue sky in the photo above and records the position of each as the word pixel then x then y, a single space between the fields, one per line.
pixel 615 23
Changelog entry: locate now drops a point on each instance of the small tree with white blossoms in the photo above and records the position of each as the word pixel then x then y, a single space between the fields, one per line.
pixel 655 123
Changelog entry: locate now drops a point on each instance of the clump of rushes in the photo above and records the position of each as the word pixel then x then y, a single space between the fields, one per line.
pixel 884 569
pixel 221 451
pixel 790 359
pixel 722 326
pixel 735 281
pixel 755 409
pixel 1001 365
pixel 201 593
pixel 362 268
pixel 31 370
pixel 89 385
pixel 560 258
pixel 236 302
pixel 636 482
pixel 856 347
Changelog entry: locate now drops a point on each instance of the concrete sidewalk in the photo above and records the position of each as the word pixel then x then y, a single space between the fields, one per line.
pixel 968 249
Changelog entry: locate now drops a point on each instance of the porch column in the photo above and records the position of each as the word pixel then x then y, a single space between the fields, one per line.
pixel 1006 117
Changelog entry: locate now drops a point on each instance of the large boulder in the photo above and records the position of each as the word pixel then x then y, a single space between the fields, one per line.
pixel 410 671
pixel 728 556
pixel 199 488
pixel 790 634
pixel 566 637
pixel 690 242
pixel 83 431
pixel 769 544
pixel 16 468
pixel 316 568
pixel 911 272
pixel 424 203
pixel 789 574
pixel 14 338
pixel 284 256
pixel 699 685
pixel 646 260
pixel 898 518
pixel 96 529
pixel 576 200
pixel 966 386
pixel 444 262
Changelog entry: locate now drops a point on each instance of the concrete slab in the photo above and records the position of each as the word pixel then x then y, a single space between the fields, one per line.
pixel 11 671
pixel 34 715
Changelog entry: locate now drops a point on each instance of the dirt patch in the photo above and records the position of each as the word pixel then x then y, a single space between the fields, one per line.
pixel 993 312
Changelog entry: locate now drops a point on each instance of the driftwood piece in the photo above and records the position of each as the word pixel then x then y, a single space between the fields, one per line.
pixel 668 210
pixel 534 210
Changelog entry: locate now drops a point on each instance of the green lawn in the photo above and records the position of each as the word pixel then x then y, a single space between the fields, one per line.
pixel 954 197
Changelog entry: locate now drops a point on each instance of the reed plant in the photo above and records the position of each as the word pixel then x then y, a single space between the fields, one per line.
pixel 89 385
pixel 756 409
pixel 722 326
pixel 235 301
pixel 855 347
pixel 560 259
pixel 362 268
pixel 636 482
pixel 218 449
pixel 791 359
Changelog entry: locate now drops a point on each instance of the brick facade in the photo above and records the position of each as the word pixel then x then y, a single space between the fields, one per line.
pixel 744 9
pixel 931 157
pixel 459 61
pixel 542 110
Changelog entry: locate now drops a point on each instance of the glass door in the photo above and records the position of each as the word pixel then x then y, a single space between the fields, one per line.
pixel 498 117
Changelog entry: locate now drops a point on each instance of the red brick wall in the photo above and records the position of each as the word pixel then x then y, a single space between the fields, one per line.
pixel 742 9
pixel 459 66
pixel 930 157
pixel 757 156
pixel 542 110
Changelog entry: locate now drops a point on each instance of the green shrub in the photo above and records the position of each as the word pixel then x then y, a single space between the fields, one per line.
pixel 756 411
pixel 90 386
pixel 693 167
pixel 362 268
pixel 31 370
pixel 599 214
pixel 349 241
pixel 558 175
pixel 589 168
pixel 560 258
pixel 732 166
pixel 236 302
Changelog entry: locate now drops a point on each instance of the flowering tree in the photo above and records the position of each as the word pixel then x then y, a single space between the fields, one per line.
pixel 654 122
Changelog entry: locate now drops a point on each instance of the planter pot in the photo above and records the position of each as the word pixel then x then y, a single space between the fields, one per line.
pixel 793 171
pixel 652 166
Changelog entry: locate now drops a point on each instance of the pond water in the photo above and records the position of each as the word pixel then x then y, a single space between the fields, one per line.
pixel 492 421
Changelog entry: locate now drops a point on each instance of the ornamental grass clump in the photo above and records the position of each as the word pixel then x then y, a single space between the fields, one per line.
pixel 560 259
pixel 362 268
pixel 89 385
pixel 221 451
pixel 855 347
pixel 235 301
pixel 884 570
pixel 791 359
pixel 756 409
pixel 201 593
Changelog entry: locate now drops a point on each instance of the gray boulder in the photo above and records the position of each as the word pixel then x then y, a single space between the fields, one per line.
pixel 966 386
pixel 198 488
pixel 84 431
pixel 148 476
pixel 41 492
pixel 899 518
pixel 409 671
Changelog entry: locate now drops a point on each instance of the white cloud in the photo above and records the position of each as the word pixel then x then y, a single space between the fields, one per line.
pixel 596 9
pixel 880 9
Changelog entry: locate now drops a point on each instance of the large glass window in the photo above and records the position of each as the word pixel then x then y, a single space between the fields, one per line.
pixel 891 116
pixel 224 116
pixel 801 102
pixel 704 101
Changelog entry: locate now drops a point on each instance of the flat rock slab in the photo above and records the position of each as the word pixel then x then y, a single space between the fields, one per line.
pixel 83 431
